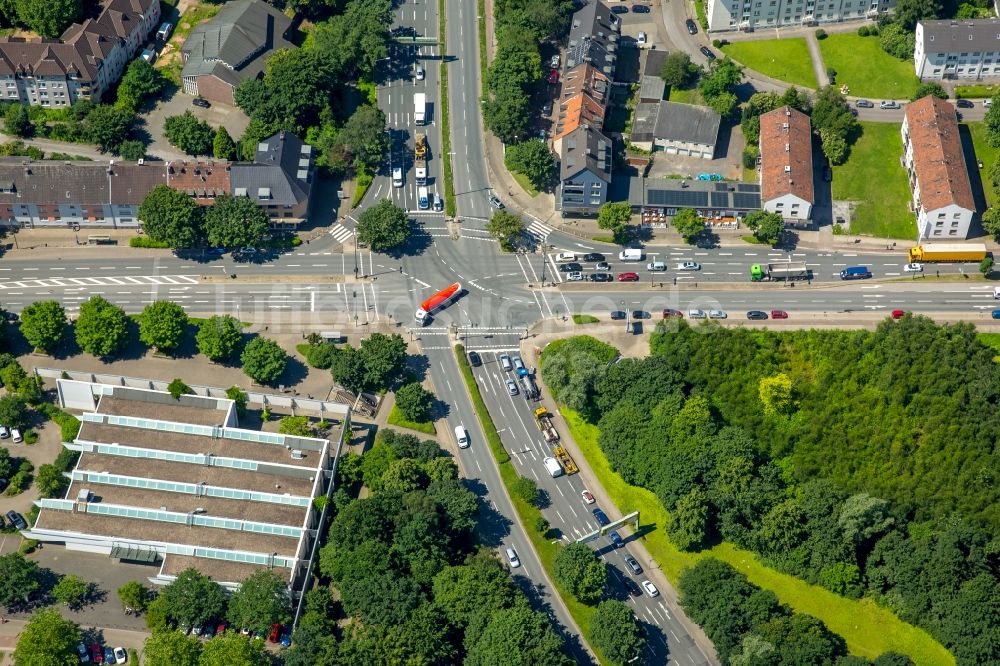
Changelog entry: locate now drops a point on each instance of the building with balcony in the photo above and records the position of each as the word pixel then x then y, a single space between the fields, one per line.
pixel 786 167
pixel 725 15
pixel 83 63
pixel 968 49
pixel 176 483
pixel 936 168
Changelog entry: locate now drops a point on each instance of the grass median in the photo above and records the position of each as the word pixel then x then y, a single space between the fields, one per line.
pixel 868 629
pixel 527 514
pixel 449 184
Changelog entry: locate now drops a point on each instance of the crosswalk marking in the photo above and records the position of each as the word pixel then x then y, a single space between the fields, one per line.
pixel 539 231
pixel 107 281
pixel 341 233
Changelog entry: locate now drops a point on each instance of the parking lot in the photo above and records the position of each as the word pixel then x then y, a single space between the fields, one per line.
pixel 234 120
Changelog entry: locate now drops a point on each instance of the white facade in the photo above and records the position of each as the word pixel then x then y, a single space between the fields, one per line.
pixel 790 207
pixel 688 148
pixel 726 15
pixel 957 50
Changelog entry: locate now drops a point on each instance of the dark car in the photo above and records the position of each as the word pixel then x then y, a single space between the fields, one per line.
pixel 995 314
pixel 619 9
pixel 474 359
pixel 864 104
pixel 707 52
pixel 692 27
pixel 616 539
pixel 964 104
pixel 779 314
pixel 602 518
pixel 570 267
pixel 640 9
pixel 670 312
pixel 756 314
pixel 202 102
pixel 593 256
pixel 17 520
pixel 633 565
pixel 632 587
pixel 640 314
pixel 109 655
pixel 617 314
pixel 637 328
pixel 3 486
pixel 601 277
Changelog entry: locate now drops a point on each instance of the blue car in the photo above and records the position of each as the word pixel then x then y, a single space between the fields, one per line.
pixel 602 518
pixel 616 539
pixel 996 314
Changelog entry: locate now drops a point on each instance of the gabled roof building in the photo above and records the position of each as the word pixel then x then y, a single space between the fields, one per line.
pixel 786 167
pixel 952 49
pixel 584 172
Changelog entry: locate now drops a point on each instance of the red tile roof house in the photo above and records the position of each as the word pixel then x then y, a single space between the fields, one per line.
pixel 935 165
pixel 786 168
pixel 82 64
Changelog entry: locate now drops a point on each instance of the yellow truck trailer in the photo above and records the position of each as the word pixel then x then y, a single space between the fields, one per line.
pixel 948 252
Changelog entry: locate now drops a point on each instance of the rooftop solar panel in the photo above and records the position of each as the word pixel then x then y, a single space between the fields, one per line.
pixel 721 187
pixel 746 201
pixel 720 199
pixel 748 187
pixel 681 198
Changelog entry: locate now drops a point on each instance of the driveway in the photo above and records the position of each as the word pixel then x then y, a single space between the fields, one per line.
pixel 728 159
pixel 219 115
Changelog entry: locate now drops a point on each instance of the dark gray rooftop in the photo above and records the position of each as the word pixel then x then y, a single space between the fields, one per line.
pixel 644 122
pixel 687 122
pixel 968 35
pixel 594 37
pixel 701 194
pixel 651 88
pixel 280 175
pixel 234 44
pixel 585 148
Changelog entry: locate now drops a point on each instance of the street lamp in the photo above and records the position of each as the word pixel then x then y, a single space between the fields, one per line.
pixel 626 315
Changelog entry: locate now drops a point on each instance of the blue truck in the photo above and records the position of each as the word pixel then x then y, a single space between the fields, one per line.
pixel 855 273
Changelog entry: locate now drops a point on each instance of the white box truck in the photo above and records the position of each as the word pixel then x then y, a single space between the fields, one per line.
pixel 553 467
pixel 631 254
pixel 420 108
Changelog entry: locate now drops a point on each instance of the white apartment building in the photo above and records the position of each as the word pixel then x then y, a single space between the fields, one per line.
pixel 724 15
pixel 968 49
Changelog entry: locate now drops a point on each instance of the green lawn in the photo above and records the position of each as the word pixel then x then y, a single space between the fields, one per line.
pixel 868 70
pixel 396 418
pixel 784 59
pixel 874 177
pixel 985 152
pixel 585 319
pixel 977 90
pixel 525 184
pixel 868 629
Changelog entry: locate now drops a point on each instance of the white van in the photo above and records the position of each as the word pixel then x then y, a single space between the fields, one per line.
pixel 512 558
pixel 462 437
pixel 397 177
pixel 553 467
pixel 656 266
pixel 631 254
pixel 996 293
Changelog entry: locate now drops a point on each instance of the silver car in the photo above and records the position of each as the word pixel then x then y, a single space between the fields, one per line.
pixel 512 387
pixel 689 266
pixel 717 314
pixel 505 362
pixel 695 313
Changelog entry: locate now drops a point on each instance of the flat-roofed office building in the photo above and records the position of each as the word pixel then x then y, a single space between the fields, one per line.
pixel 178 484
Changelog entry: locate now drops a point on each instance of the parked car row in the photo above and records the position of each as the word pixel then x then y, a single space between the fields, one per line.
pixel 695 313
pixel 11 433
pixel 99 654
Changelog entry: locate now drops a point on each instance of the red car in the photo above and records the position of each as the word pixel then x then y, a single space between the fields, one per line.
pixel 628 277
pixel 898 314
pixel 779 314
pixel 670 312
pixel 554 76
pixel 275 633
pixel 96 653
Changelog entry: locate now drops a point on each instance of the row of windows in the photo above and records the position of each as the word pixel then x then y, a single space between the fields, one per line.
pixel 199 520
pixel 189 488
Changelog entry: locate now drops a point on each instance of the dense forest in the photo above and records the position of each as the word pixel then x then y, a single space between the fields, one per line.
pixel 405 581
pixel 864 462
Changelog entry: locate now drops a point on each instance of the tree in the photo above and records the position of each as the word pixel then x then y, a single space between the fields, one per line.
pixel 532 159
pixel 348 368
pixel 614 215
pixel 363 138
pixel 238 396
pixel 172 648
pixel 235 222
pixel 929 88
pixel 19 579
pixel 230 649
pixel 223 146
pixel 71 590
pixel 689 520
pixel 688 224
pixel 678 71
pixel 102 327
pixel 992 122
pixel 131 150
pixel 43 324
pixel 47 640
pixel 766 226
pixel 892 659
pixel 863 517
pixel 219 336
pixel 384 359
pixel 616 632
pixel 192 599
pixel 189 133
pixel 506 113
pixel 834 146
pixel 49 19
pixel 141 79
pixel 17 122
pixel 577 568
pixel 161 325
pixel 897 40
pixel 909 12
pixel 525 490
pixel 383 226
pixel 176 388
pixel 50 481
pixel 517 636
pixel 13 411
pixel 986 266
pixel 404 476
pixel 722 78
pixel 263 360
pixel 295 425
pixel 107 126
pixel 991 221
pixel 171 216
pixel 776 394
pixel 506 227
pixel 261 601
pixel 134 595
pixel 415 402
